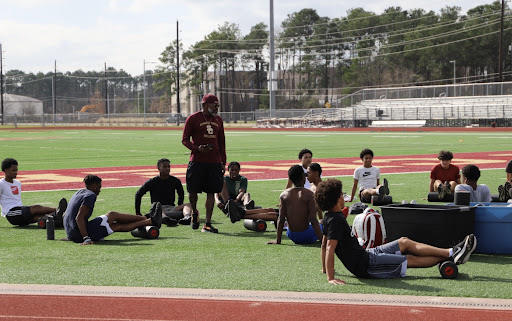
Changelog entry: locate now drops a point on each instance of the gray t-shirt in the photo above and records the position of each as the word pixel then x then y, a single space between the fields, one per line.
pixel 481 194
pixel 82 197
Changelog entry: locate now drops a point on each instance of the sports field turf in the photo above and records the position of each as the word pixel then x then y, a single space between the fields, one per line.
pixel 235 258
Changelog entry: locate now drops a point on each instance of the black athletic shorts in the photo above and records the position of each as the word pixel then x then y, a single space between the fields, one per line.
pixel 20 216
pixel 204 177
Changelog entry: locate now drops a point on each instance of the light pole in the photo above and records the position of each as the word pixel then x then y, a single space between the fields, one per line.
pixel 1 85
pixel 454 78
pixel 144 87
pixel 454 75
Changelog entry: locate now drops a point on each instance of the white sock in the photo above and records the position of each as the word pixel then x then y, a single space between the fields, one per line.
pixel 451 251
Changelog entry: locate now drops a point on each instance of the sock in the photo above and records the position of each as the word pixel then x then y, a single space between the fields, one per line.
pixel 451 252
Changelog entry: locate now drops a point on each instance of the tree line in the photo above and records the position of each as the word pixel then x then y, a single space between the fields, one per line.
pixel 319 59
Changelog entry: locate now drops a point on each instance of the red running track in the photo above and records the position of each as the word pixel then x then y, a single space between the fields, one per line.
pixel 35 307
pixel 64 302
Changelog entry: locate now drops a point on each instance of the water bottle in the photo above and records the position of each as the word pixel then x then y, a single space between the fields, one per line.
pixel 50 228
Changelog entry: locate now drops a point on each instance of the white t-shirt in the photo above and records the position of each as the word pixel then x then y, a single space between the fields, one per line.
pixel 367 177
pixel 10 195
pixel 481 194
pixel 307 184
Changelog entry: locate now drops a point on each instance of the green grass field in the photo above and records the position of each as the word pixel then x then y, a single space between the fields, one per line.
pixel 235 258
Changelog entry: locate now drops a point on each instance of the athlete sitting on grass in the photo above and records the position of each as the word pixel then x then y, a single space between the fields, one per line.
pixel 315 177
pixel 444 176
pixel 296 205
pixel 368 179
pixel 505 191
pixel 390 260
pixel 470 176
pixel 305 157
pixel 163 188
pixel 10 199
pixel 234 188
pixel 80 230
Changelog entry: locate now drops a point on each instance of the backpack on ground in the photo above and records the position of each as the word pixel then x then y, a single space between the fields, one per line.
pixel 357 208
pixel 369 228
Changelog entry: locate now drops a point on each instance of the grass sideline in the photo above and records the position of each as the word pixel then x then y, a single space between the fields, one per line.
pixel 237 258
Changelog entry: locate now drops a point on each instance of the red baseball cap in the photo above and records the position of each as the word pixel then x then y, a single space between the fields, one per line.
pixel 210 99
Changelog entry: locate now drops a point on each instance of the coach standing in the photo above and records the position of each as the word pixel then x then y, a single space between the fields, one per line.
pixel 207 158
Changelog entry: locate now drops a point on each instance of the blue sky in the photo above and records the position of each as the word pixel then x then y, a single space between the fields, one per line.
pixel 84 34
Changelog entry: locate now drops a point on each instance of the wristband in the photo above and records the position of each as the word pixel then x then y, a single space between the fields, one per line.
pixel 87 239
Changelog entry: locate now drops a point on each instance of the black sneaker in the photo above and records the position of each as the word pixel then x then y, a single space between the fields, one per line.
pixel 508 192
pixel 448 188
pixel 250 205
pixel 185 220
pixel 209 228
pixel 470 245
pixel 386 187
pixel 225 209
pixel 152 209
pixel 233 212
pixel 195 221
pixel 156 215
pixel 382 194
pixel 441 192
pixel 63 205
pixel 169 221
pixel 459 249
pixel 502 194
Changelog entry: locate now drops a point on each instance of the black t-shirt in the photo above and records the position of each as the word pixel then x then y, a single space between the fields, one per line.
pixel 353 256
pixel 162 191
pixel 509 167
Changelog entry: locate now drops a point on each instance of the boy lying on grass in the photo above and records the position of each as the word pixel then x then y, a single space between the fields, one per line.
pixel 390 260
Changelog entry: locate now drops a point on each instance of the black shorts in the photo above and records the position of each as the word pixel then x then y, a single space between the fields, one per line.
pixel 363 199
pixel 204 177
pixel 20 216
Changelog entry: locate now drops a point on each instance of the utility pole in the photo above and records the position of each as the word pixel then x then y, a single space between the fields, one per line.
pixel 500 55
pixel 178 110
pixel 54 91
pixel 1 83
pixel 106 97
pixel 271 71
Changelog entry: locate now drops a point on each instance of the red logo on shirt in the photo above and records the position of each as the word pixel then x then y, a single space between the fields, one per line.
pixel 15 190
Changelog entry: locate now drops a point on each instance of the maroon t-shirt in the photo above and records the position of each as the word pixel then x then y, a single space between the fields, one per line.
pixel 205 130
pixel 450 174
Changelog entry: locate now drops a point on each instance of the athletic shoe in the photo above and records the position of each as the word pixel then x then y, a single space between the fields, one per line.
pixel 250 205
pixel 448 188
pixel 225 209
pixel 457 252
pixel 156 215
pixel 463 250
pixel 502 194
pixel 169 221
pixel 63 205
pixel 185 220
pixel 386 187
pixel 441 192
pixel 195 221
pixel 382 194
pixel 470 247
pixel 233 211
pixel 508 193
pixel 152 209
pixel 209 228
